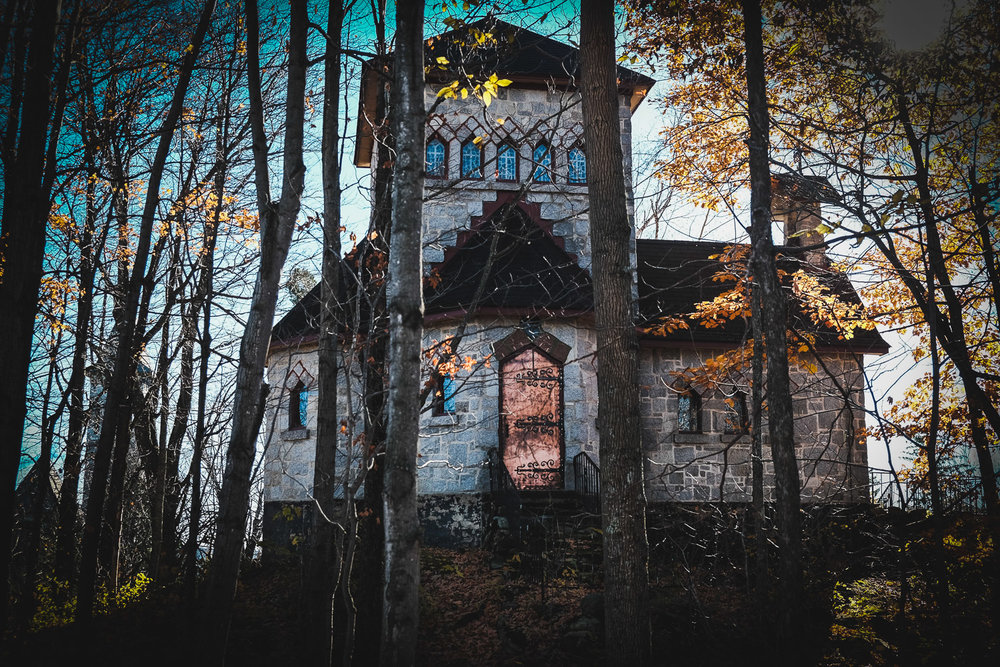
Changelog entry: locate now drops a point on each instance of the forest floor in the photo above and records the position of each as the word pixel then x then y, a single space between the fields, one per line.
pixel 863 608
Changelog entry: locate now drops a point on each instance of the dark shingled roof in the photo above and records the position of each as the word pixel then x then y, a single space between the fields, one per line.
pixel 675 275
pixel 528 59
pixel 528 272
pixel 518 54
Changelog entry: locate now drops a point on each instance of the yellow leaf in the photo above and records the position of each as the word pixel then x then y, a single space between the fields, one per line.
pixel 442 60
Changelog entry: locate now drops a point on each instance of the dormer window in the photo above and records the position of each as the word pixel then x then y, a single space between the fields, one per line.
pixel 472 159
pixel 437 158
pixel 577 166
pixel 689 412
pixel 506 163
pixel 542 158
pixel 298 406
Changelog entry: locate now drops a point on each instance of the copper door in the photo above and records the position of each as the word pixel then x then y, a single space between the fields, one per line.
pixel 532 423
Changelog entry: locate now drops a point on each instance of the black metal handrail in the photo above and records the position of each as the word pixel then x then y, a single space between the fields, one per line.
pixel 503 492
pixel 961 492
pixel 587 478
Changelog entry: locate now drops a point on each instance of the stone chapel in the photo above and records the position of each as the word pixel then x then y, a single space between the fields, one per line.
pixel 511 412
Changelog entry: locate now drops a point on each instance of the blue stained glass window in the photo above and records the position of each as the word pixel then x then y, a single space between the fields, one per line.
pixel 436 167
pixel 543 163
pixel 298 406
pixel 577 166
pixel 448 395
pixel 507 163
pixel 444 395
pixel 689 412
pixel 472 158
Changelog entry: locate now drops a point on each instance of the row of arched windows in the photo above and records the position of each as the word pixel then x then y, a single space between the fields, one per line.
pixel 507 167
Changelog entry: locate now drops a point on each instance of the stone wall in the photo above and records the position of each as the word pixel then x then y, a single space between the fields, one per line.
pixel 528 116
pixel 714 464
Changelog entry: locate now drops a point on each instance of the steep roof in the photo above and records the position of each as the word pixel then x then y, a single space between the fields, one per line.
pixel 521 55
pixel 676 275
pixel 508 263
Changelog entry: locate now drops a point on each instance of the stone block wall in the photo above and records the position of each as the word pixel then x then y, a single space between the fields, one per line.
pixel 528 116
pixel 714 464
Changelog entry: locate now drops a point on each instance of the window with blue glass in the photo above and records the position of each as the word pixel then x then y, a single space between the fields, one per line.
pixel 542 158
pixel 298 406
pixel 472 160
pixel 437 158
pixel 507 163
pixel 444 395
pixel 689 412
pixel 577 166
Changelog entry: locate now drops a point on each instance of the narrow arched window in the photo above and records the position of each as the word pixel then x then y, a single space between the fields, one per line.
pixel 689 412
pixel 472 159
pixel 437 158
pixel 737 414
pixel 506 163
pixel 542 158
pixel 577 166
pixel 298 406
pixel 444 395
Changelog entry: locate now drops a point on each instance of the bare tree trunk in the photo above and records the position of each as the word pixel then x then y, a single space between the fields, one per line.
pixel 760 577
pixel 405 303
pixel 774 311
pixel 68 509
pixel 623 498
pixel 116 397
pixel 277 221
pixel 323 568
pixel 366 618
pixel 22 243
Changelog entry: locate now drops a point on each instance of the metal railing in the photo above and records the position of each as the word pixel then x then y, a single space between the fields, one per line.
pixel 587 480
pixel 960 492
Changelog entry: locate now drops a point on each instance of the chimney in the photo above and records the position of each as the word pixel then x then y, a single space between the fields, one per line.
pixel 795 203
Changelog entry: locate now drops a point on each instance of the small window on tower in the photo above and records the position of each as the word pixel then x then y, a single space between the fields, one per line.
pixel 577 166
pixel 507 163
pixel 472 159
pixel 437 159
pixel 543 163
pixel 298 406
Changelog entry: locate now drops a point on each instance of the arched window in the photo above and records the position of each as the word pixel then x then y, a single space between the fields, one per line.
pixel 577 165
pixel 298 406
pixel 437 158
pixel 689 412
pixel 472 159
pixel 444 395
pixel 542 158
pixel 737 414
pixel 506 163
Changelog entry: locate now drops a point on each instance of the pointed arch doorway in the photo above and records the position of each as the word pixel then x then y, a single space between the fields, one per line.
pixel 531 410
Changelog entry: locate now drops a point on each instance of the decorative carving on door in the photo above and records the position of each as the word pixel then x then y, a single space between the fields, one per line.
pixel 531 396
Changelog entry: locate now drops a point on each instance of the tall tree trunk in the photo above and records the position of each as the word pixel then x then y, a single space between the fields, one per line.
pixel 68 509
pixel 22 244
pixel 323 569
pixel 203 299
pixel 759 508
pixel 366 617
pixel 623 498
pixel 774 311
pixel 116 397
pixel 277 221
pixel 400 615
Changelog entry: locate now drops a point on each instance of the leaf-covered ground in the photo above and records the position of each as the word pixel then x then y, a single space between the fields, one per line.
pixel 872 599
